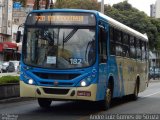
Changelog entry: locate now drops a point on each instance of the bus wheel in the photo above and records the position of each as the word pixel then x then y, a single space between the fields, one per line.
pixel 105 104
pixel 44 103
pixel 134 96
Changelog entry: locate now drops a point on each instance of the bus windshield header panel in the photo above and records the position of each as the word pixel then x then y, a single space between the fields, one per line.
pixel 56 18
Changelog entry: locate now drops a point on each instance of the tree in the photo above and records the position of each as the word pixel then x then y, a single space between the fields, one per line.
pixel 77 4
pixel 156 22
pixel 47 4
pixel 36 5
pixel 59 3
pixel 132 17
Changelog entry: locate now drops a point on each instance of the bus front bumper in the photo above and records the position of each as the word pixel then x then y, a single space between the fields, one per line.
pixel 63 93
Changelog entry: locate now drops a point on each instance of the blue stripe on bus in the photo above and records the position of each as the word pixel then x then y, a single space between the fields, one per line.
pixel 105 72
pixel 113 70
pixel 121 80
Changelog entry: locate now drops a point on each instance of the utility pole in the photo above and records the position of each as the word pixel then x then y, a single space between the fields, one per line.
pixel 102 6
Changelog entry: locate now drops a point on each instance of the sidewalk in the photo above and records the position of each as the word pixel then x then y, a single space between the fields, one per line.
pixel 16 99
pixel 10 74
pixel 156 80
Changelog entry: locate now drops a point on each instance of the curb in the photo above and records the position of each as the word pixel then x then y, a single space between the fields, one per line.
pixel 16 99
pixel 157 80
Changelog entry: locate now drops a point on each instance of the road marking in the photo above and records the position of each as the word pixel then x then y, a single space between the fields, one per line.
pixel 88 116
pixel 151 94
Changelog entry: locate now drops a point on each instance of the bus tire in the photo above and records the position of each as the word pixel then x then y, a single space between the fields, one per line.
pixel 44 103
pixel 134 96
pixel 105 104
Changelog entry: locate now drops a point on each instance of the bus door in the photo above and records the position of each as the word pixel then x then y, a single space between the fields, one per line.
pixel 102 54
pixel 103 36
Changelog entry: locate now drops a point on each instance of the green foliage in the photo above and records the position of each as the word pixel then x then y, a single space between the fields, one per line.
pixel 132 17
pixel 77 4
pixel 156 23
pixel 9 79
pixel 123 6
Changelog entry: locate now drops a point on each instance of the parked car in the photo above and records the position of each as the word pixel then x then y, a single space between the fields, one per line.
pixel 11 67
pixel 1 66
pixel 4 66
pixel 154 73
pixel 8 66
pixel 16 64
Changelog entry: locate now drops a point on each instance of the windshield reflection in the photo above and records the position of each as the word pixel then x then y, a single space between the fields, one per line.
pixel 59 48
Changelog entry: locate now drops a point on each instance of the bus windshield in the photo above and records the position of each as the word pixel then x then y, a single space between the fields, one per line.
pixel 59 47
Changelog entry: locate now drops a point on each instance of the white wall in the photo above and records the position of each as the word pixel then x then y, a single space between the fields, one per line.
pixel 9 19
pixel 14 31
pixel 157 6
pixel 1 6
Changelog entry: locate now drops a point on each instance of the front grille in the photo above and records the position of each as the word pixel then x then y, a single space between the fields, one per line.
pixel 55 91
pixel 56 76
pixel 59 84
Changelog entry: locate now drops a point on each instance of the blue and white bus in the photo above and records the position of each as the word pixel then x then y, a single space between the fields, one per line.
pixel 81 55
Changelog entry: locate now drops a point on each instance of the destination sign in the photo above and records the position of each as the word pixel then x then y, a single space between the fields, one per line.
pixel 61 19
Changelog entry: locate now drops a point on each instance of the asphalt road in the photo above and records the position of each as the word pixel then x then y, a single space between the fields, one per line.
pixel 147 103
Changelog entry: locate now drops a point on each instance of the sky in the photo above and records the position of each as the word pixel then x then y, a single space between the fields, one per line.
pixel 142 5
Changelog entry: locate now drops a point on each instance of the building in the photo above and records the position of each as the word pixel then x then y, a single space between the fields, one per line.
pixel 152 10
pixel 31 3
pixel 5 20
pixel 154 64
pixel 7 49
pixel 155 9
pixel 19 17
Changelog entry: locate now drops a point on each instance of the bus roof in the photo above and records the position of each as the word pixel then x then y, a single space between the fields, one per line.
pixel 66 10
pixel 123 27
pixel 110 20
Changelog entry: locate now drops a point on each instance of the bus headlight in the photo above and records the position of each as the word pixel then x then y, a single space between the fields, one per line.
pixel 27 79
pixel 83 83
pixel 30 81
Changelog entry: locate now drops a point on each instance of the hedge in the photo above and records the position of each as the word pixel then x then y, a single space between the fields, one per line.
pixel 9 79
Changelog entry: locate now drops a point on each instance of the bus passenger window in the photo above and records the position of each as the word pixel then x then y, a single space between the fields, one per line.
pixel 125 45
pixel 146 50
pixel 112 42
pixel 102 44
pixel 132 47
pixel 138 49
pixel 143 51
pixel 118 39
pixel 118 36
pixel 119 50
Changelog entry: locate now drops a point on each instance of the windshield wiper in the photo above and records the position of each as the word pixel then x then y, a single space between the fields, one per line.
pixel 38 18
pixel 70 35
pixel 63 40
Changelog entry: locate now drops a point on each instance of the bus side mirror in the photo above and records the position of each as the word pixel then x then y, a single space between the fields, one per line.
pixel 18 36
